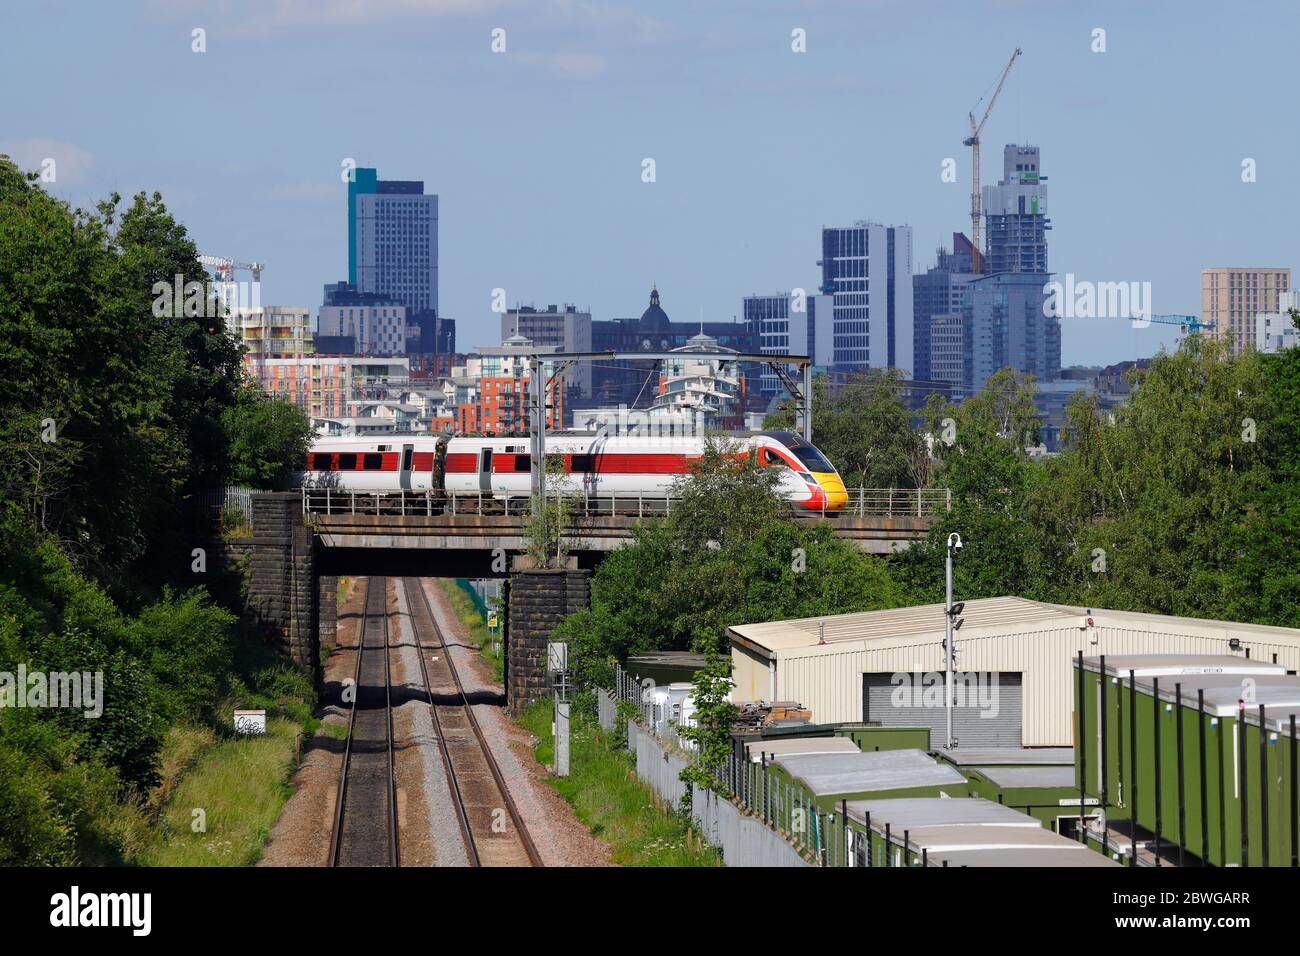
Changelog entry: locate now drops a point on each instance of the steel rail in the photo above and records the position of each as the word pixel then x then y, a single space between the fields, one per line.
pixel 336 838
pixel 525 840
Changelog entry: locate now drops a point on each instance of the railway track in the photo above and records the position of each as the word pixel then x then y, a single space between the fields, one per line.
pixel 492 828
pixel 365 810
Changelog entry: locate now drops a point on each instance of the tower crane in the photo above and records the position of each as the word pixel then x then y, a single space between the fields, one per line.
pixel 973 141
pixel 225 267
pixel 1192 324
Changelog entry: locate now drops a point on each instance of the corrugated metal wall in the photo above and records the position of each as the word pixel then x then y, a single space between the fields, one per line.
pixel 828 679
pixel 751 675
pixel 830 674
pixel 974 725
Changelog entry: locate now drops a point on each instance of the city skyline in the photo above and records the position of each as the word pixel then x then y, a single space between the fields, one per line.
pixel 751 162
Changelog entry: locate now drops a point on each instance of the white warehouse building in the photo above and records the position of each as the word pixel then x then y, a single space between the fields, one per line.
pixel 1014 657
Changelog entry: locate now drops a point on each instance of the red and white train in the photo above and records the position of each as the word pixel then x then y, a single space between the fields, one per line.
pixel 598 466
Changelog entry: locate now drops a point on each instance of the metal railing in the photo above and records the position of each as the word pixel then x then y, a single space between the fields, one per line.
pixel 828 838
pixel 861 503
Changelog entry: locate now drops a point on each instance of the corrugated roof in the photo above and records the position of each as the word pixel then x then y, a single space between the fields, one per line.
pixel 1278 692
pixel 997 614
pixel 1222 701
pixel 906 813
pixel 801 745
pixel 1010 756
pixel 1177 665
pixel 826 774
pixel 920 620
pixel 1009 778
pixel 940 839
pixel 1036 857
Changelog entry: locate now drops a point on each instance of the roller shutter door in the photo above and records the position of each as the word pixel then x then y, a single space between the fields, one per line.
pixel 882 703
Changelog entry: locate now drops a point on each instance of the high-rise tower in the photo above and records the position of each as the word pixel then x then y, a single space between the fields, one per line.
pixel 393 240
pixel 1015 215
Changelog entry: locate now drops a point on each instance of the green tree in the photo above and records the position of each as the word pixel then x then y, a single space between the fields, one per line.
pixel 710 729
pixel 865 429
pixel 980 447
pixel 267 440
pixel 731 552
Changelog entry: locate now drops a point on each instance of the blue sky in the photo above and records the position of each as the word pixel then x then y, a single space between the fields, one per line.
pixel 536 153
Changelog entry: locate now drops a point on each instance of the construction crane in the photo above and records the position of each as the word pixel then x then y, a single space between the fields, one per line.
pixel 225 267
pixel 973 141
pixel 1190 323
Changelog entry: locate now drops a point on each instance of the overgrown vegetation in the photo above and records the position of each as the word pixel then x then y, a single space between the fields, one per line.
pixel 548 546
pixel 239 789
pixel 727 554
pixel 1185 500
pixel 1182 501
pixel 113 418
pixel 467 613
pixel 611 800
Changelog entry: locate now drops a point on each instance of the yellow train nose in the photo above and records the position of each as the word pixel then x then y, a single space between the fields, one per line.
pixel 837 496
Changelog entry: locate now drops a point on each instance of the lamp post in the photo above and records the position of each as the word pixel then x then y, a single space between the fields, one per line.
pixel 949 613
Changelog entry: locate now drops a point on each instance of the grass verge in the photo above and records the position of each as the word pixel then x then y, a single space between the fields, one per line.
pixel 462 605
pixel 239 784
pixel 608 796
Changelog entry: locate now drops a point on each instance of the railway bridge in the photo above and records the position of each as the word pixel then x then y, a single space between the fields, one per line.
pixel 304 541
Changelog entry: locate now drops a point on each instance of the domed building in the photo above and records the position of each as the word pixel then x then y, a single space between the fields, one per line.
pixel 634 383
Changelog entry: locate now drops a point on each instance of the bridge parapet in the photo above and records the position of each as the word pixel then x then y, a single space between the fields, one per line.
pixel 862 503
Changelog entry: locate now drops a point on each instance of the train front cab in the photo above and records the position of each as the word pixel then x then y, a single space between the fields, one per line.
pixel 827 488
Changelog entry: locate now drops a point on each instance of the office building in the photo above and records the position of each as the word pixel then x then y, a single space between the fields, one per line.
pixel 393 240
pixel 372 329
pixel 778 329
pixel 565 329
pixel 867 270
pixel 1232 298
pixel 947 359
pixel 940 291
pixel 1005 327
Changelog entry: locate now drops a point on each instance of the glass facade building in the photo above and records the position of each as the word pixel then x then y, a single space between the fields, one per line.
pixel 393 240
pixel 867 270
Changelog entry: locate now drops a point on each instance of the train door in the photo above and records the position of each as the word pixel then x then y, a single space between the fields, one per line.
pixel 485 469
pixel 404 473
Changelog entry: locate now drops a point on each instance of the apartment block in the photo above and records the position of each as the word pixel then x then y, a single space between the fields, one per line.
pixel 1231 298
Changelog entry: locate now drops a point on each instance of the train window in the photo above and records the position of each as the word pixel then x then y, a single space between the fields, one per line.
pixel 372 462
pixel 321 462
pixel 811 457
pixel 347 462
pixel 582 463
pixel 407 455
pixel 772 458
pixel 523 462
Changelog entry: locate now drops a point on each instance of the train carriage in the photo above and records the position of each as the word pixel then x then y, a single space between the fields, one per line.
pixel 595 466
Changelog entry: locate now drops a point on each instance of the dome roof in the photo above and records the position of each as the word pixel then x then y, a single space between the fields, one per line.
pixel 654 319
